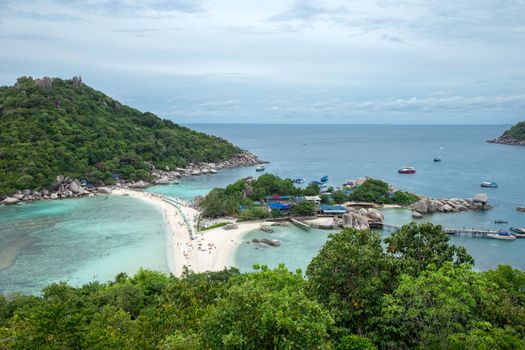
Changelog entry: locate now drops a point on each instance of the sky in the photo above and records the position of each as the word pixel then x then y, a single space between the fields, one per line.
pixel 252 61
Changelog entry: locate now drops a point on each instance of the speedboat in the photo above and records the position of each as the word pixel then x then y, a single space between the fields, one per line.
pixel 407 170
pixel 315 182
pixel 522 209
pixel 437 159
pixel 500 221
pixel 518 232
pixel 501 235
pixel 298 181
pixel 489 184
pixel 259 168
pixel 324 178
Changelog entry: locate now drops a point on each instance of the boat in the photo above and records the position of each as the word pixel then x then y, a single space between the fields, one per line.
pixel 489 184
pixel 437 159
pixel 500 221
pixel 298 181
pixel 315 182
pixel 259 168
pixel 518 232
pixel 501 235
pixel 407 170
pixel 522 209
pixel 324 178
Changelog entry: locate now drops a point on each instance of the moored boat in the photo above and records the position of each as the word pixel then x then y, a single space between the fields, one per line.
pixel 504 235
pixel 500 221
pixel 407 170
pixel 437 159
pixel 259 168
pixel 324 178
pixel 522 209
pixel 518 232
pixel 298 181
pixel 489 184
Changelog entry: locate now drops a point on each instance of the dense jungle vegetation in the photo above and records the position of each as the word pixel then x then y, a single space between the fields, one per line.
pixel 248 193
pixel 517 131
pixel 53 126
pixel 412 290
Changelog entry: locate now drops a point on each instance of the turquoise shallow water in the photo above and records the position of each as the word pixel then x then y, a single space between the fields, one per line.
pixel 66 240
pixel 79 241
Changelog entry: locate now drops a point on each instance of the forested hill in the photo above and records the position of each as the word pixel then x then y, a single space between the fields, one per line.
pixel 514 136
pixel 51 126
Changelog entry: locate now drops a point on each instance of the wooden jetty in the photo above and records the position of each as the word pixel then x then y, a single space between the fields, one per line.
pixel 300 224
pixel 469 231
pixel 474 232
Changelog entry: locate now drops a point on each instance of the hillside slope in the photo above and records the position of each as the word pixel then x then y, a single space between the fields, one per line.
pixel 54 126
pixel 514 136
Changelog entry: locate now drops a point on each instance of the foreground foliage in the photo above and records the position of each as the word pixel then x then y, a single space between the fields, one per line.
pixel 360 293
pixel 65 127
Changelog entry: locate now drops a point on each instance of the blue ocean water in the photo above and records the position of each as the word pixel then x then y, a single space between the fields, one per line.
pixel 346 152
pixel 66 240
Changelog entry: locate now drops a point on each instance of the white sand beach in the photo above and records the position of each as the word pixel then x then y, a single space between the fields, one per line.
pixel 211 250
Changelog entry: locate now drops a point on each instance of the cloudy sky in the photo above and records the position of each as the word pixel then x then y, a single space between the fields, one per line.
pixel 382 61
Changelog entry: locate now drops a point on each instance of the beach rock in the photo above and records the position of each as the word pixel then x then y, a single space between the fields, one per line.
pixel 421 206
pixel 53 196
pixel 447 208
pixel 45 192
pixel 432 206
pixel 162 181
pixel 416 215
pixel 10 201
pixel 481 198
pixel 375 215
pixel 19 196
pixel 105 190
pixel 75 188
pixel 26 192
pixel 355 220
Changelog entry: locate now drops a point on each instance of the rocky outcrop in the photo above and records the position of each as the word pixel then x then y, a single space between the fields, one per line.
pixel 270 242
pixel 507 140
pixel 362 219
pixel 453 205
pixel 196 169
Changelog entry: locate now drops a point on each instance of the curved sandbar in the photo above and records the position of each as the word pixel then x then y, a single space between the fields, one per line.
pixel 211 250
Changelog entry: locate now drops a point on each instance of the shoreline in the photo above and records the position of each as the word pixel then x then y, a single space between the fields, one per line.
pixel 211 250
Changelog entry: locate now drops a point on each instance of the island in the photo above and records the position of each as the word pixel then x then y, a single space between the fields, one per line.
pixel 61 138
pixel 514 136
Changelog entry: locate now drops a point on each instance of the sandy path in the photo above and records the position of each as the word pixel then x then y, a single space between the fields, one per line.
pixel 210 250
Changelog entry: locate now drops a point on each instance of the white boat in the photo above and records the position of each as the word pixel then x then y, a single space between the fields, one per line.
pixel 213 171
pixel 259 168
pixel 489 184
pixel 501 235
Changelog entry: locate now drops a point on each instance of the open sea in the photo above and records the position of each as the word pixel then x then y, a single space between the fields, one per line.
pixel 95 238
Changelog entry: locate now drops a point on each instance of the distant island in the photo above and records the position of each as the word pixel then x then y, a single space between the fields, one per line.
pixel 513 136
pixel 51 127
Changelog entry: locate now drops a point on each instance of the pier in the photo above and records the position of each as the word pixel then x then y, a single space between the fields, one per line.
pixel 300 224
pixel 469 231
pixel 474 232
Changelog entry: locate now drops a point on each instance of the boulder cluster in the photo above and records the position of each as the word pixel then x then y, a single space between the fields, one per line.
pixel 453 205
pixel 63 187
pixel 66 187
pixel 239 160
pixel 507 140
pixel 360 219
